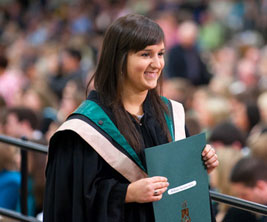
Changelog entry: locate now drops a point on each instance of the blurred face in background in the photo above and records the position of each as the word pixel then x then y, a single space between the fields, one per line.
pixel 32 100
pixel 12 125
pixel 257 194
pixel 239 116
pixel 187 34
pixel 69 63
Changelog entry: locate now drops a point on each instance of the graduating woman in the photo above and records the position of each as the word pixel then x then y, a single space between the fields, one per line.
pixel 96 164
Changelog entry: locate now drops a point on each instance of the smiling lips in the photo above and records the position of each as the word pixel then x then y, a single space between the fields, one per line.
pixel 151 75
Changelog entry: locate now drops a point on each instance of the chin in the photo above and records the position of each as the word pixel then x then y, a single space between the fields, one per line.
pixel 151 87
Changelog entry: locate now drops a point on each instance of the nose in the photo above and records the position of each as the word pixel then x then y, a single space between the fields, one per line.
pixel 156 62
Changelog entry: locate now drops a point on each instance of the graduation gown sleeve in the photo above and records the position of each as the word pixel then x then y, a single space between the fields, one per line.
pixel 80 185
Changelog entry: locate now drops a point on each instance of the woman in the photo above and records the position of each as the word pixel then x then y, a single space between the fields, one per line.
pixel 96 165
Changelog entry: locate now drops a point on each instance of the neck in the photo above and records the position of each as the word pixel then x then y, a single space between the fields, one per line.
pixel 133 102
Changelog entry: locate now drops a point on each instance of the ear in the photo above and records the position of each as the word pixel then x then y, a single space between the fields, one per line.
pixel 26 124
pixel 261 185
pixel 237 145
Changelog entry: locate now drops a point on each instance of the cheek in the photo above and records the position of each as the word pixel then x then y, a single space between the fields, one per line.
pixel 247 195
pixel 162 63
pixel 259 196
pixel 136 67
pixel 141 66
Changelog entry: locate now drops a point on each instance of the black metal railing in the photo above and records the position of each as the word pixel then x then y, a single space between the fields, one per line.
pixel 25 146
pixel 17 216
pixel 239 203
pixel 31 146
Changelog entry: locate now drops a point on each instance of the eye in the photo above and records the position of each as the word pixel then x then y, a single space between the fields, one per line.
pixel 161 53
pixel 145 54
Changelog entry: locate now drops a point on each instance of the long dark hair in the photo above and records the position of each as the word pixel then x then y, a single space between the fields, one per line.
pixel 129 33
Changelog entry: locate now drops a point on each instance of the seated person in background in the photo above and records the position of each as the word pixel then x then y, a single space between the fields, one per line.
pixel 178 89
pixel 249 182
pixel 22 122
pixel 2 113
pixel 184 59
pixel 227 134
pixel 219 178
pixel 257 143
pixel 245 113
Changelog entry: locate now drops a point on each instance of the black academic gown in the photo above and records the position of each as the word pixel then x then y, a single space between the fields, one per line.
pixel 81 186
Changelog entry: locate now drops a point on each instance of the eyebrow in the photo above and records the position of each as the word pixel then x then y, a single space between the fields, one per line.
pixel 148 50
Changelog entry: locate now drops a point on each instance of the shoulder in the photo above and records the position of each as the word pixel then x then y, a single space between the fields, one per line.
pixel 176 104
pixel 173 105
pixel 78 131
pixel 177 49
pixel 67 130
pixel 10 178
pixel 66 144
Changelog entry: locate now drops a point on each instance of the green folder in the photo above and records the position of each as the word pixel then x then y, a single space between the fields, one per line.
pixel 187 197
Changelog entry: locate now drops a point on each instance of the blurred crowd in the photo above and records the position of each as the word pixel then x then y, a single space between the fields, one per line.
pixel 216 65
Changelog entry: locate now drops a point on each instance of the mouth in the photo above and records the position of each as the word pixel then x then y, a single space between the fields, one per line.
pixel 151 75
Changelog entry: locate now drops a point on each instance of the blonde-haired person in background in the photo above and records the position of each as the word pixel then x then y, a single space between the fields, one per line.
pixel 220 181
pixel 262 104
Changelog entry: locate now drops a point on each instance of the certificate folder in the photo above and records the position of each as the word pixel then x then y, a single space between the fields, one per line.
pixel 187 197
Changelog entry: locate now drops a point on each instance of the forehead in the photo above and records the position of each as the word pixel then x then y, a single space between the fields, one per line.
pixel 158 46
pixel 240 188
pixel 11 118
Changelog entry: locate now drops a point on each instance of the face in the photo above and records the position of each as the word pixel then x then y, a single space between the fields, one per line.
pixel 68 62
pixel 256 194
pixel 32 100
pixel 12 125
pixel 239 115
pixel 144 68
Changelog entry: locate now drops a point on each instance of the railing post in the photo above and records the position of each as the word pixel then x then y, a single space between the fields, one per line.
pixel 24 181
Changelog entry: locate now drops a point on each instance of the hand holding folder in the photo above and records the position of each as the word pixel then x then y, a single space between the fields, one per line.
pixel 187 197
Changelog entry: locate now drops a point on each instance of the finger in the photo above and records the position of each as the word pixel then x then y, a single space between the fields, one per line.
pixel 158 192
pixel 209 154
pixel 156 198
pixel 207 149
pixel 213 165
pixel 159 195
pixel 211 160
pixel 160 185
pixel 158 179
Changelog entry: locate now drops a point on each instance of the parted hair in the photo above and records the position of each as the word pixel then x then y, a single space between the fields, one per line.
pixel 130 33
pixel 25 114
pixel 248 171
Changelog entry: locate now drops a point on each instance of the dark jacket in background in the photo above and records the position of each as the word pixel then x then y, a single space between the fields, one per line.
pixel 186 63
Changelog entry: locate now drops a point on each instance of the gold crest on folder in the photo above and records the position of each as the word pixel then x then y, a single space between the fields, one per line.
pixel 185 213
